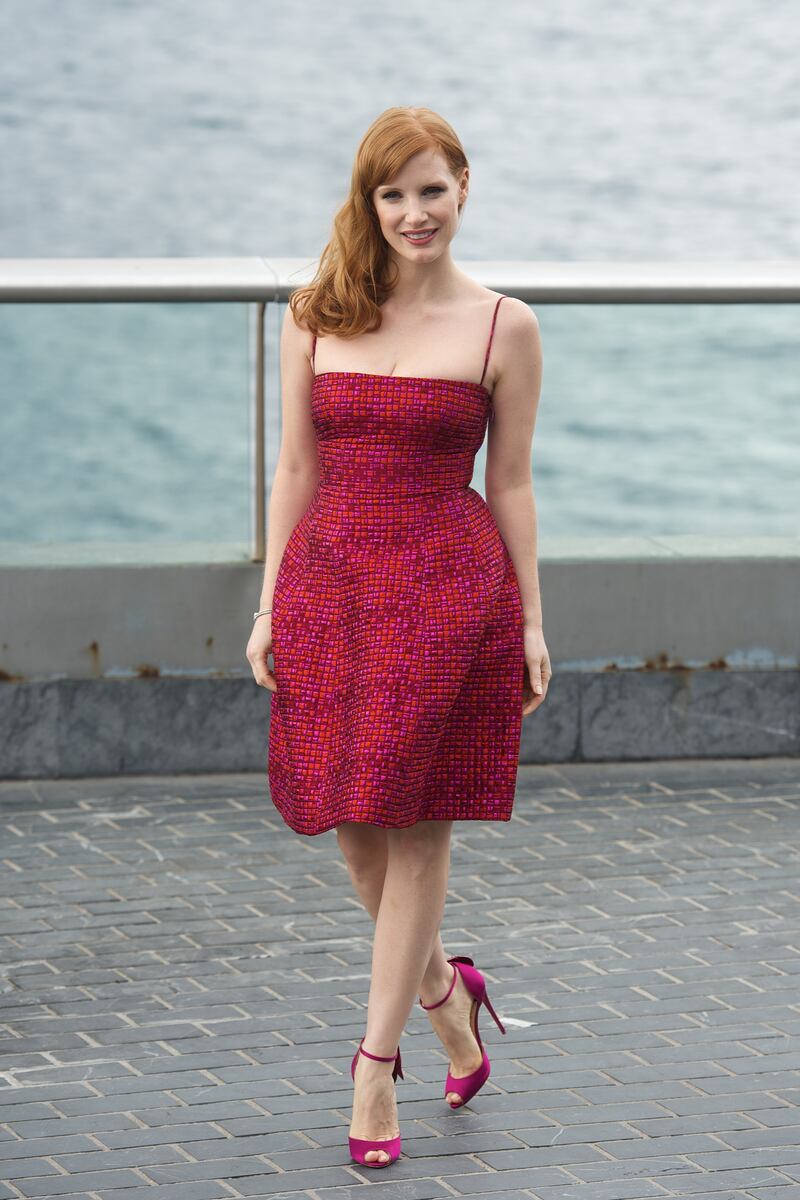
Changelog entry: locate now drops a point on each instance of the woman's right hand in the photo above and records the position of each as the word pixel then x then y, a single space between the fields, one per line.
pixel 257 653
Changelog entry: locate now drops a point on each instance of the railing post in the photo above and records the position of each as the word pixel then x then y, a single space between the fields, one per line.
pixel 258 491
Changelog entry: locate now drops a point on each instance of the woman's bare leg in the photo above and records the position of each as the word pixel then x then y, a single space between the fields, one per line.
pixel 365 850
pixel 406 924
pixel 389 867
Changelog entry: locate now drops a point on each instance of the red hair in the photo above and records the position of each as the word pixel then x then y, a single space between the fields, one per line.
pixel 352 278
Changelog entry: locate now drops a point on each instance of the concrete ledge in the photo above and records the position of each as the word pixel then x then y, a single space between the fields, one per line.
pixel 135 663
pixel 82 727
pixel 612 603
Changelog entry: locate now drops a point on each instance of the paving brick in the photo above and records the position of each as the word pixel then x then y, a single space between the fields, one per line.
pixel 205 1190
pixel 12 1150
pixel 127 1102
pixel 496 1182
pixel 10 1113
pixel 215 1168
pixel 224 1114
pixel 410 1189
pixel 21 1169
pixel 786 1158
pixel 61 1126
pixel 716 1181
pixel 175 1134
pixel 617 1189
pixel 62 1185
pixel 289 1183
pixel 27 1094
pixel 785 1135
pixel 97 1160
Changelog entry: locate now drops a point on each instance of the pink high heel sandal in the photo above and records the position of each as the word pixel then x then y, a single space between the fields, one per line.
pixel 359 1147
pixel 467 1085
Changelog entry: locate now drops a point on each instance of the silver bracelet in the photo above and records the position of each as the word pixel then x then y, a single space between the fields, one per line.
pixel 261 612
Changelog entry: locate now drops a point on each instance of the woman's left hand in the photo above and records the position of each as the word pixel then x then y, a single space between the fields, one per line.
pixel 537 669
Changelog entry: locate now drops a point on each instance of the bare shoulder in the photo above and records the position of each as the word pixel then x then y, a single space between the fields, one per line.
pixel 516 332
pixel 296 341
pixel 518 348
pixel 292 330
pixel 515 319
pixel 517 316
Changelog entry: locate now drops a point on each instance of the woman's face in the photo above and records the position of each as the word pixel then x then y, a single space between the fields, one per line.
pixel 423 197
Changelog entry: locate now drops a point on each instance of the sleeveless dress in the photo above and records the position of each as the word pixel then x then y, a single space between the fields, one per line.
pixel 397 622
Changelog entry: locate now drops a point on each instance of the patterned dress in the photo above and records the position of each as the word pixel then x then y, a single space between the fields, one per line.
pixel 397 623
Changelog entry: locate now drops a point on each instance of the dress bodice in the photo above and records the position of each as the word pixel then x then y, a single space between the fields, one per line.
pixel 402 435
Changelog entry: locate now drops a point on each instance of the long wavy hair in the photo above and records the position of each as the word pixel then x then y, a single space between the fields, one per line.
pixel 353 275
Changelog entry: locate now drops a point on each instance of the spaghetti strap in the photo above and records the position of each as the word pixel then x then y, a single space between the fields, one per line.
pixel 313 352
pixel 491 335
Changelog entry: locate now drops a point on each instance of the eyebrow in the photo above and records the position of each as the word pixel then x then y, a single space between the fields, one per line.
pixel 392 186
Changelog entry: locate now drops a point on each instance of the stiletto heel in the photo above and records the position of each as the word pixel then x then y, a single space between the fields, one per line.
pixel 466 1086
pixel 497 1020
pixel 359 1147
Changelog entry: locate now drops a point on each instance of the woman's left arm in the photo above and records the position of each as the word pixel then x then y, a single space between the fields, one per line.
pixel 509 475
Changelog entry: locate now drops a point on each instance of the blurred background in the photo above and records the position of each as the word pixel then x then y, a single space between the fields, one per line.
pixel 595 131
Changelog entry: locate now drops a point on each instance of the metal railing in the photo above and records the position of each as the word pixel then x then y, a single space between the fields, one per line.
pixel 263 281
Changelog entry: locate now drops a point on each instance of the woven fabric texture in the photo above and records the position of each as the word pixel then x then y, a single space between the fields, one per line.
pixel 397 623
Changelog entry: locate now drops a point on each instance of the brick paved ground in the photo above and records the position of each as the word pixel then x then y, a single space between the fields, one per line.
pixel 178 967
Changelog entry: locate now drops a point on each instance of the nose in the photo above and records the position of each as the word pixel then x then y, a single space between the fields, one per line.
pixel 416 216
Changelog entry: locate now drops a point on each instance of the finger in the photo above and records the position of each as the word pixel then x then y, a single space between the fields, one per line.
pixel 264 675
pixel 530 701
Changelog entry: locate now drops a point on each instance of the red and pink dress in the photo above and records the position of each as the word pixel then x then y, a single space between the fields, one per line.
pixel 397 623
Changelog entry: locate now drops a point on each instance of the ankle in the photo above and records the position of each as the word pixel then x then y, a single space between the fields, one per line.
pixel 435 990
pixel 385 1059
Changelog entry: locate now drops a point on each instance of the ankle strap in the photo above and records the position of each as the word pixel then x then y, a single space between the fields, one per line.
pixel 449 990
pixel 378 1057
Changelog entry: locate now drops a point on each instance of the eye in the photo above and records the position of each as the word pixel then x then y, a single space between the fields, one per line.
pixel 389 195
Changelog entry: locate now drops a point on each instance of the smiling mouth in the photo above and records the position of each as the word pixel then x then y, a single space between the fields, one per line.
pixel 420 236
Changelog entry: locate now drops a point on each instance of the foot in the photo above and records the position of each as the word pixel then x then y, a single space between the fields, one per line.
pixel 452 1024
pixel 374 1105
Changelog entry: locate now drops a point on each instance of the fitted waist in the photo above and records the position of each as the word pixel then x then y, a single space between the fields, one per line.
pixel 395 473
pixel 390 491
pixel 341 514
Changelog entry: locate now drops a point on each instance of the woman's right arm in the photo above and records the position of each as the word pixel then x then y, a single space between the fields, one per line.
pixel 295 482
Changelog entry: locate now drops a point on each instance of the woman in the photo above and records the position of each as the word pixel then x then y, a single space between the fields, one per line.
pixel 407 639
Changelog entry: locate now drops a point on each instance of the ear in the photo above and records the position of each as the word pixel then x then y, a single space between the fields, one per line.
pixel 463 188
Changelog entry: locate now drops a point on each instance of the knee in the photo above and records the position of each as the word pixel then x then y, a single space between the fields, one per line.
pixel 364 849
pixel 421 847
